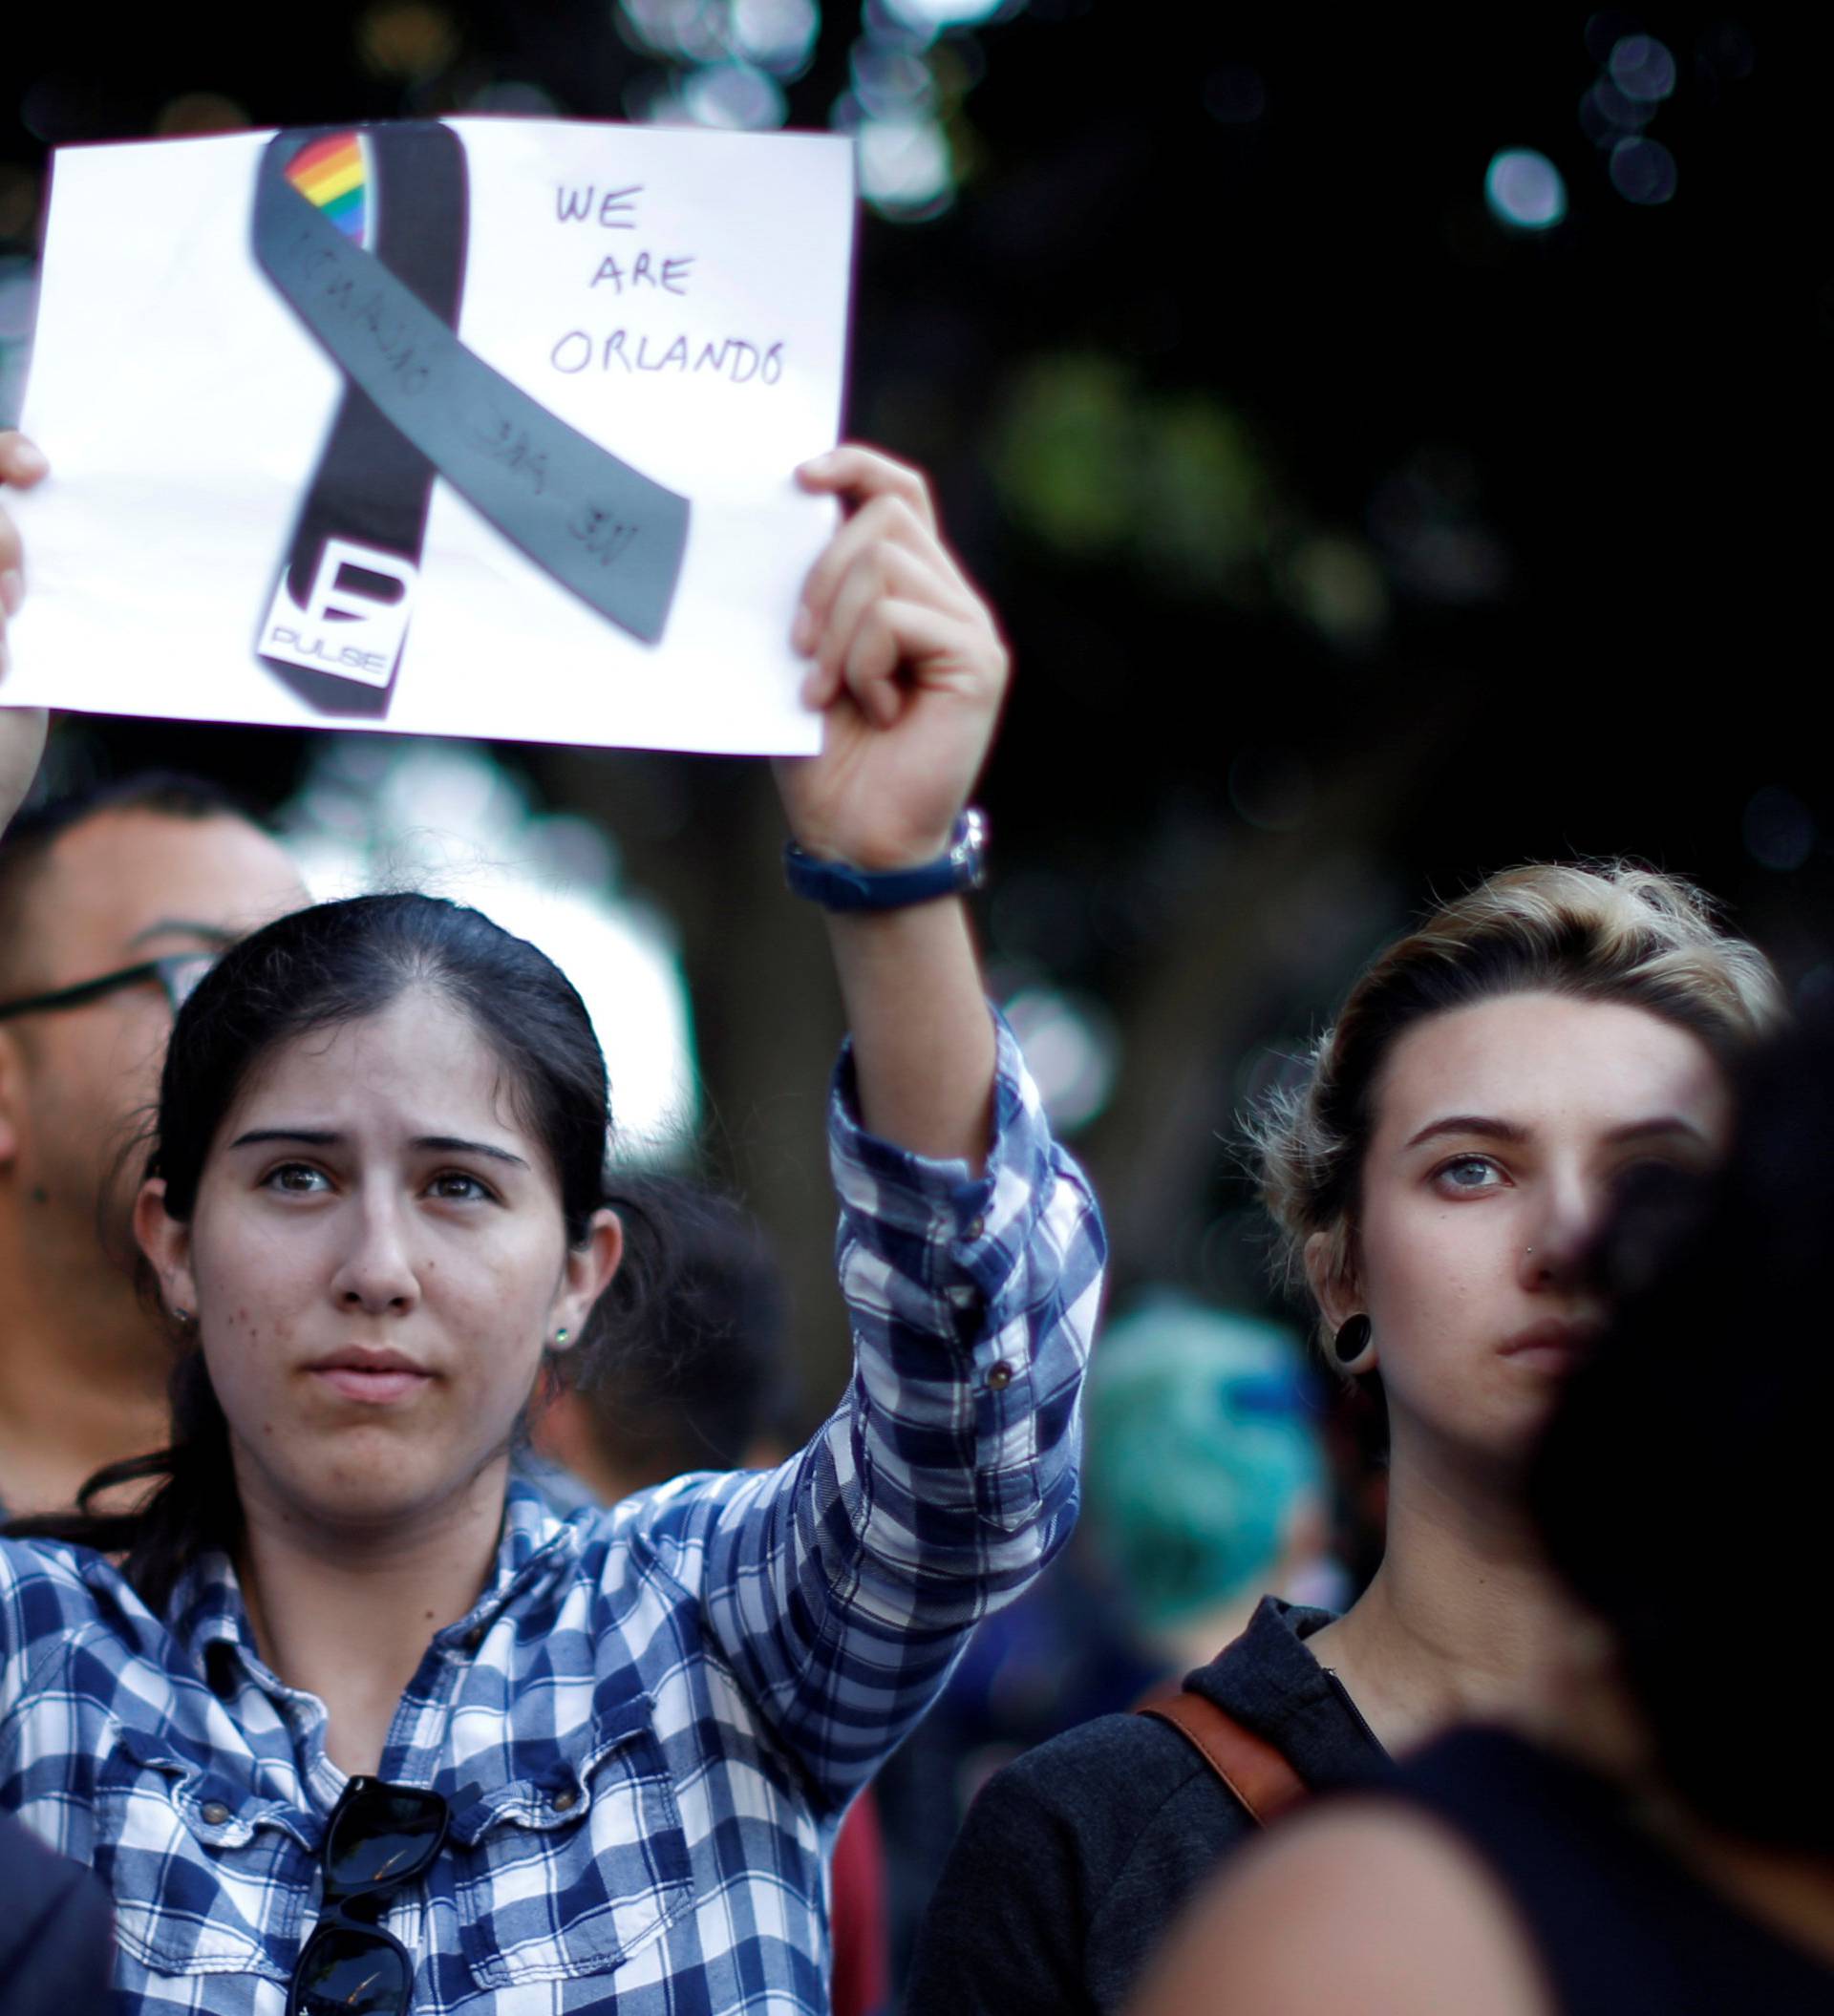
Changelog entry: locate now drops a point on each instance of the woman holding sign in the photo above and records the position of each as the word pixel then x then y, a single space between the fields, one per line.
pixel 343 1716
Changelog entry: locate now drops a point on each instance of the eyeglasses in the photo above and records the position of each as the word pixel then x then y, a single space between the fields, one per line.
pixel 379 1837
pixel 177 973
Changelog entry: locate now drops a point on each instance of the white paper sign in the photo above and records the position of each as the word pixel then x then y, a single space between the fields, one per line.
pixel 482 427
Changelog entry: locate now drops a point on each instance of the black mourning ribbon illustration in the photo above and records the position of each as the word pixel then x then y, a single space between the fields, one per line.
pixel 419 404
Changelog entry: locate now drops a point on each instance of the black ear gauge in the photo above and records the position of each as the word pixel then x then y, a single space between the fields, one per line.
pixel 1351 1339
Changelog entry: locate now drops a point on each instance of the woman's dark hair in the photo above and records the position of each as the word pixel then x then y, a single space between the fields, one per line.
pixel 316 970
pixel 1681 1487
pixel 702 1374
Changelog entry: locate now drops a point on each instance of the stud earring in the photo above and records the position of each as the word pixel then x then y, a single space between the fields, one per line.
pixel 1351 1340
pixel 560 1336
pixel 181 1316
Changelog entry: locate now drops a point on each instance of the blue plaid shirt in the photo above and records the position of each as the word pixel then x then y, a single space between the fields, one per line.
pixel 649 1723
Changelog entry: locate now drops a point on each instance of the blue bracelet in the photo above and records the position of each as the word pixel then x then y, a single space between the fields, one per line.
pixel 838 885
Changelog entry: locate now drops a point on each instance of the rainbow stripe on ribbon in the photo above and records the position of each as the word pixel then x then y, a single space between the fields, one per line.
pixel 329 172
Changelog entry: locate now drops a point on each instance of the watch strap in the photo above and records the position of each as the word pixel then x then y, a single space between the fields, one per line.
pixel 838 885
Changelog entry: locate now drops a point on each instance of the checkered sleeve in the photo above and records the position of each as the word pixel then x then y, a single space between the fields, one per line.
pixel 842 1586
pixel 42 1602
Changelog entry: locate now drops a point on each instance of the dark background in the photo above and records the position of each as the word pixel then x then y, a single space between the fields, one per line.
pixel 1350 543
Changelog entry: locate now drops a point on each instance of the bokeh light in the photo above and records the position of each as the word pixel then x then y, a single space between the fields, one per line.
pixel 1607 114
pixel 724 61
pixel 1642 68
pixel 196 111
pixel 904 164
pixel 778 35
pixel 1643 171
pixel 1071 1050
pixel 733 96
pixel 929 18
pixel 406 39
pixel 1779 829
pixel 1525 189
pixel 1334 581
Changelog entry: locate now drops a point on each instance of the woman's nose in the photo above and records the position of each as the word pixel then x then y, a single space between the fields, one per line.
pixel 1562 1233
pixel 377 1274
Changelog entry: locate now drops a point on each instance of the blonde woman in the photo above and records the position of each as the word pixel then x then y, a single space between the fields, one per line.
pixel 1660 1838
pixel 1492 1078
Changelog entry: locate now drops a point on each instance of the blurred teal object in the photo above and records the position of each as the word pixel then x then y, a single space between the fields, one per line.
pixel 1202 1445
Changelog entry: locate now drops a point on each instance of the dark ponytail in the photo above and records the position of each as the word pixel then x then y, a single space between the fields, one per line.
pixel 193 1505
pixel 332 965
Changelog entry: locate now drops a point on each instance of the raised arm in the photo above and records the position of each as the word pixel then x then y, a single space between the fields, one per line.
pixel 909 672
pixel 22 728
pixel 841 1587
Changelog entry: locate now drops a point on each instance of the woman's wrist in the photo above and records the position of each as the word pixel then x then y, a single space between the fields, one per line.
pixel 849 887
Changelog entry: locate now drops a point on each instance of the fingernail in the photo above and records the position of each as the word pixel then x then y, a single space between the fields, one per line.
pixel 802 630
pixel 13 590
pixel 30 461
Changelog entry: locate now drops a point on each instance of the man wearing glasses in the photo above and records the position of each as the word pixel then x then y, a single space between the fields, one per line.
pixel 112 906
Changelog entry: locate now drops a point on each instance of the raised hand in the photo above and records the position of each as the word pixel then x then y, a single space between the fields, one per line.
pixel 907 669
pixel 22 728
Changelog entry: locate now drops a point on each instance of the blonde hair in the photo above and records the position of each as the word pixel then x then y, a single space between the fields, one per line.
pixel 1595 932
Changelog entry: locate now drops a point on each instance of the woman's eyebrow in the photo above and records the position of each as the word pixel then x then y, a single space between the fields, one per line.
pixel 321 1138
pixel 456 1144
pixel 1668 1123
pixel 1469 1123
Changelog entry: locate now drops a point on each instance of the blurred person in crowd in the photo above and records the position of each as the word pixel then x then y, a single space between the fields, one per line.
pixel 1205 1484
pixel 113 903
pixel 339 1702
pixel 1493 1079
pixel 711 1389
pixel 1657 1834
pixel 55 1939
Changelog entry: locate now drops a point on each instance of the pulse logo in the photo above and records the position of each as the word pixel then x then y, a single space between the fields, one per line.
pixel 356 617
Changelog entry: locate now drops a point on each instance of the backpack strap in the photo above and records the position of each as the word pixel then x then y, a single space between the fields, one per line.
pixel 1259 1776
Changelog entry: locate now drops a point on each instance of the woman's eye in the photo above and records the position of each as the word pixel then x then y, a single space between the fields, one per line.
pixel 455 1186
pixel 297 1179
pixel 1470 1172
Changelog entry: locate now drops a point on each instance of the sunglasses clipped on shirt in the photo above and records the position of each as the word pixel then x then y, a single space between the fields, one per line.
pixel 177 973
pixel 379 1838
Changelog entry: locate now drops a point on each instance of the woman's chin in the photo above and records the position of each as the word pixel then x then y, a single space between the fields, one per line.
pixel 372 1481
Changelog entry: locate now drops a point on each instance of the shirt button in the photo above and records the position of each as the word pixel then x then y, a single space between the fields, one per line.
pixel 215 1812
pixel 974 1227
pixel 566 1802
pixel 1000 1376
